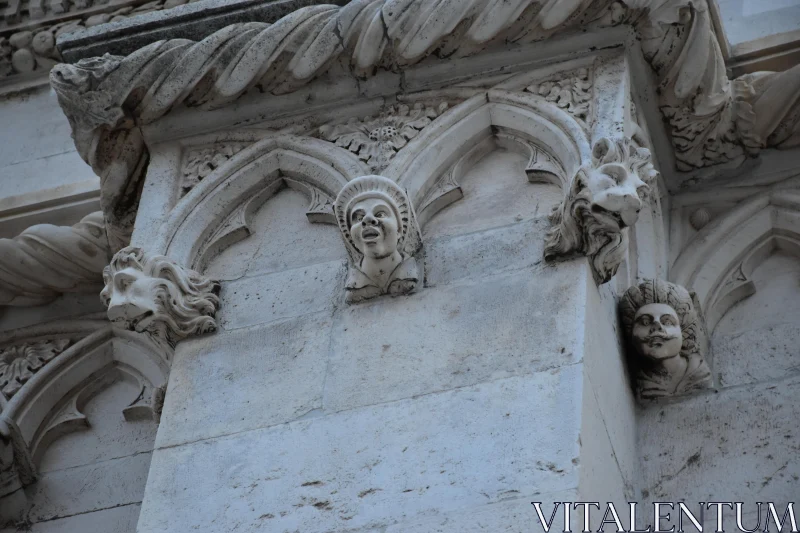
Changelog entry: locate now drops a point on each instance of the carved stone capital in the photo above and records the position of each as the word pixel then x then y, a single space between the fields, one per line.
pixel 153 294
pixel 45 261
pixel 663 329
pixel 603 200
pixel 380 231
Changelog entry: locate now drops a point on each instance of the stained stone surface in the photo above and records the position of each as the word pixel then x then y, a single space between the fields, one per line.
pixel 375 465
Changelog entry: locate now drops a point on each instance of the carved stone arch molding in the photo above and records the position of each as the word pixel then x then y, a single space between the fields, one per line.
pixel 553 141
pixel 216 212
pixel 58 367
pixel 718 261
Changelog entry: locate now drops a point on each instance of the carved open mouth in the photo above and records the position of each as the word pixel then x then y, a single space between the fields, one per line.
pixel 370 233
pixel 609 217
pixel 141 322
pixel 657 341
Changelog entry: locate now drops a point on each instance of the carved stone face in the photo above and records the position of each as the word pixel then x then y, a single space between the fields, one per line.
pixel 374 228
pixel 657 332
pixel 133 302
pixel 616 195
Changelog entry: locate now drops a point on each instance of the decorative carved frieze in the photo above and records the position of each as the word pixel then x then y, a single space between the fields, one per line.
pixel 571 91
pixel 45 261
pixel 381 234
pixel 377 139
pixel 603 200
pixel 18 363
pixel 153 294
pixel 663 328
pixel 200 162
pixel 105 98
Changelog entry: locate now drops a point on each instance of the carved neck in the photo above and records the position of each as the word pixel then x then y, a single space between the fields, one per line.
pixel 380 270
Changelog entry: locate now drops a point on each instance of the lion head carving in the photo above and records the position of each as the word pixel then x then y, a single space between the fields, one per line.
pixel 154 294
pixel 603 200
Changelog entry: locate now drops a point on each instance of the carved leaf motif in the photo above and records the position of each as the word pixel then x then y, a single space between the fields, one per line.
pixel 19 363
pixel 571 92
pixel 200 162
pixel 376 140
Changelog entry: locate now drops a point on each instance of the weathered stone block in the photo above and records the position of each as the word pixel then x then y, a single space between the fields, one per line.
pixel 476 255
pixel 739 444
pixel 448 337
pixel 83 489
pixel 264 299
pixel 375 466
pixel 764 353
pixel 116 520
pixel 512 516
pixel 245 379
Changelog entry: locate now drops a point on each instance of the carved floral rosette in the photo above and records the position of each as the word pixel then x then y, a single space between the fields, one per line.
pixel 653 379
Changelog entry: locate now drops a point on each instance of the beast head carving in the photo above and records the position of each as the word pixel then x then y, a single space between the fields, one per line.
pixel 603 200
pixel 154 294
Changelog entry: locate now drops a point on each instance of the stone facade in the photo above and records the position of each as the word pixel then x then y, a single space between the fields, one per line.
pixel 382 266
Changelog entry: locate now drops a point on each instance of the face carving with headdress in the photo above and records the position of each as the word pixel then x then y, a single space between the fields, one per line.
pixel 153 294
pixel 380 231
pixel 662 327
pixel 604 199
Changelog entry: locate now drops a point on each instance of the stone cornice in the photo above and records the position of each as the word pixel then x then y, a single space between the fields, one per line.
pixel 712 120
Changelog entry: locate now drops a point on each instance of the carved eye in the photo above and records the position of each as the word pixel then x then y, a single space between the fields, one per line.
pixel 668 320
pixel 358 216
pixel 380 214
pixel 644 320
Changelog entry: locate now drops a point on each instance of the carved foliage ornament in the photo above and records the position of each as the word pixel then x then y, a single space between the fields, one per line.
pixel 377 139
pixel 200 162
pixel 570 91
pixel 603 200
pixel 662 327
pixel 153 294
pixel 19 363
pixel 380 231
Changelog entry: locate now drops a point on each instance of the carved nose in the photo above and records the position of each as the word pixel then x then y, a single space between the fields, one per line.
pixel 370 220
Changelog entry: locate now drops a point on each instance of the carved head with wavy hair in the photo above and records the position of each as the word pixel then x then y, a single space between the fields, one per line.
pixel 662 326
pixel 154 294
pixel 602 201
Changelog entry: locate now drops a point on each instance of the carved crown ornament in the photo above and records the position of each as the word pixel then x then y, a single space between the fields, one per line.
pixel 713 120
pixel 603 200
pixel 152 294
pixel 662 326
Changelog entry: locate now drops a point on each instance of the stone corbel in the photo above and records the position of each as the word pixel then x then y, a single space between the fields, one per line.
pixel 380 231
pixel 603 200
pixel 663 329
pixel 45 261
pixel 153 294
